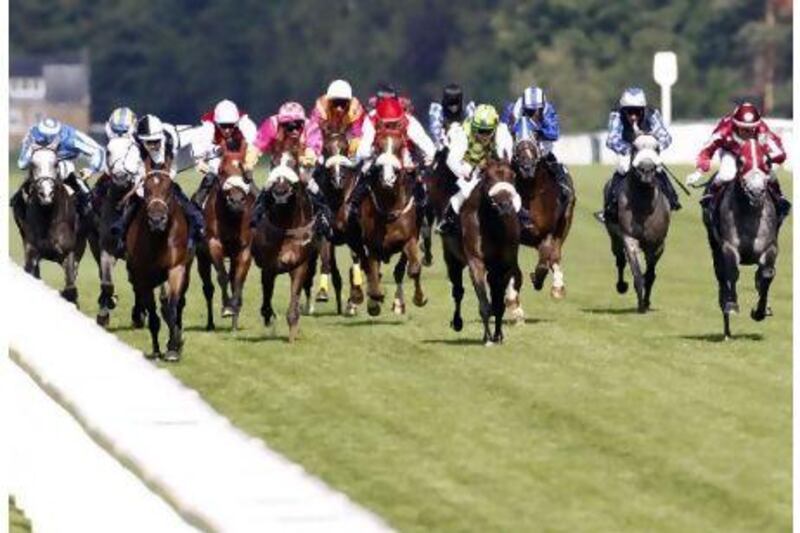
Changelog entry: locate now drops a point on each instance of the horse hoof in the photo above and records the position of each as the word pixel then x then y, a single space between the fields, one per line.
pixel 210 326
pixel 103 320
pixel 357 295
pixel 488 343
pixel 398 307
pixel 350 310
pixel 374 309
pixel 769 311
pixel 308 308
pixel 622 287
pixel 420 301
pixel 322 296
pixel 457 323
pixel 731 308
pixel 641 309
pixel 755 315
pixel 227 311
pixel 497 339
pixel 172 356
pixel 537 281
pixel 427 261
pixel 112 302
pixel 154 355
pixel 558 293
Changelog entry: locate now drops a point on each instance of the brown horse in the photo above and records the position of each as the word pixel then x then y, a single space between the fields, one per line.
pixel 388 224
pixel 284 239
pixel 157 246
pixel 551 210
pixel 227 212
pixel 337 178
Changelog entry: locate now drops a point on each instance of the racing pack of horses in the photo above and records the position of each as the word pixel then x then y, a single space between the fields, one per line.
pixel 742 228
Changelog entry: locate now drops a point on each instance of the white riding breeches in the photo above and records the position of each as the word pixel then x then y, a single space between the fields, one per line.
pixel 545 147
pixel 623 163
pixel 465 188
pixel 727 167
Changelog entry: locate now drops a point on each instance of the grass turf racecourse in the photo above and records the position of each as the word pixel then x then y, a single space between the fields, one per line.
pixel 590 417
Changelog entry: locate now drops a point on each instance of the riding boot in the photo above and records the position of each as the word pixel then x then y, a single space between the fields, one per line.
pixel 203 190
pixel 18 203
pixel 560 174
pixel 322 213
pixel 525 221
pixel 450 221
pixel 609 213
pixel 669 191
pixel 259 209
pixel 356 198
pixel 782 205
pixel 83 202
pixel 120 226
pixel 711 193
pixel 192 212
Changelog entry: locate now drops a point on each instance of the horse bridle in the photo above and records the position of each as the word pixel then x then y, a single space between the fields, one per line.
pixel 528 167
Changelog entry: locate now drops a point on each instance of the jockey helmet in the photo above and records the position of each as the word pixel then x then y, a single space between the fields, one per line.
pixel 632 97
pixel 389 109
pixel 45 131
pixel 291 112
pixel 485 119
pixel 452 99
pixel 150 128
pixel 386 91
pixel 339 90
pixel 533 99
pixel 122 121
pixel 746 119
pixel 226 112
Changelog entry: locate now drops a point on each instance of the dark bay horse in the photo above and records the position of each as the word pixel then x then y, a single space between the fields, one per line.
pixel 743 230
pixel 49 223
pixel 388 224
pixel 338 178
pixel 284 240
pixel 158 252
pixel 124 165
pixel 642 222
pixel 490 240
pixel 551 211
pixel 227 213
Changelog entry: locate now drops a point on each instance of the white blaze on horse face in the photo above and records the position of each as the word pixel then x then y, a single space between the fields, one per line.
pixel 44 163
pixel 45 190
pixel 506 187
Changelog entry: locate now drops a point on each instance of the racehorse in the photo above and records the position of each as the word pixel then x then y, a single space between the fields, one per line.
pixel 643 217
pixel 124 165
pixel 388 224
pixel 49 223
pixel 158 252
pixel 742 229
pixel 227 213
pixel 490 240
pixel 284 239
pixel 550 207
pixel 338 178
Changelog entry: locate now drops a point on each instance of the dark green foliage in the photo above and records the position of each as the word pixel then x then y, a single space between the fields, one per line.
pixel 178 57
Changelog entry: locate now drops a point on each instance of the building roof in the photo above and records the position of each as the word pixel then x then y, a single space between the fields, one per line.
pixel 32 66
pixel 66 76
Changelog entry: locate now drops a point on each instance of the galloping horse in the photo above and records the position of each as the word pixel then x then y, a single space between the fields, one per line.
pixel 284 239
pixel 337 183
pixel 157 245
pixel 124 165
pixel 743 230
pixel 388 224
pixel 551 209
pixel 49 224
pixel 642 221
pixel 227 213
pixel 490 238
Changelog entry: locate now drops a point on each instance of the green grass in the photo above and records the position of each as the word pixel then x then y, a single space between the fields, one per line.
pixel 17 521
pixel 589 418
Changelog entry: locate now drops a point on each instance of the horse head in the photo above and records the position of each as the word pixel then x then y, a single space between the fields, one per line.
pixel 335 150
pixel 235 188
pixel 390 147
pixel 124 162
pixel 753 171
pixel 44 173
pixel 526 147
pixel 157 186
pixel 283 179
pixel 646 161
pixel 498 181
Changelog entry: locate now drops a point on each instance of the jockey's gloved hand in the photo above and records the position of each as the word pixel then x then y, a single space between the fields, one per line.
pixel 202 167
pixel 85 174
pixel 694 177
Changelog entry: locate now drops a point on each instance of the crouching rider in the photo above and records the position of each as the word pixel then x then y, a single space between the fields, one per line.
pixel 68 144
pixel 731 133
pixel 289 129
pixel 158 144
pixel 225 129
pixel 632 117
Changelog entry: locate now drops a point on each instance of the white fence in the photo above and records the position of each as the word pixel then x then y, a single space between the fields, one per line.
pixel 161 460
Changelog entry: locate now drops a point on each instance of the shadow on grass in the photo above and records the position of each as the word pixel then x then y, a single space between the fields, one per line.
pixel 202 328
pixel 125 327
pixel 464 341
pixel 719 337
pixel 264 337
pixel 614 310
pixel 377 321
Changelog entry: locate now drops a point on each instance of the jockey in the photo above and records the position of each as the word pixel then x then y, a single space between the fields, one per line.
pixel 338 107
pixel 224 127
pixel 533 104
pixel 69 144
pixel 158 144
pixel 386 90
pixel 471 146
pixel 632 116
pixel 291 124
pixel 732 131
pixel 121 123
pixel 389 114
pixel 451 110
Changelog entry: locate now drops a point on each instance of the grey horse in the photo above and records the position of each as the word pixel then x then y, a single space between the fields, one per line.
pixel 48 221
pixel 642 224
pixel 742 229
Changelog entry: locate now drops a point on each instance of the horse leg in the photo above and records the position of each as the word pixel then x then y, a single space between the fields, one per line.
pixel 356 282
pixel 106 300
pixel 216 254
pixel 399 303
pixel 267 288
pixel 497 288
pixel 477 272
pixel 147 300
pixel 542 267
pixel 650 274
pixel 415 272
pixel 326 253
pixel 455 272
pixel 764 276
pixel 373 268
pixel 240 265
pixel 618 249
pixel 559 290
pixel 70 292
pixel 204 269
pixel 170 303
pixel 511 297
pixel 425 231
pixel 308 282
pixel 632 255
pixel 298 280
pixel 336 277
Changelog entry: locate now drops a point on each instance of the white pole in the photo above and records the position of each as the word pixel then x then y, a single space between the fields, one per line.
pixel 666 104
pixel 665 72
